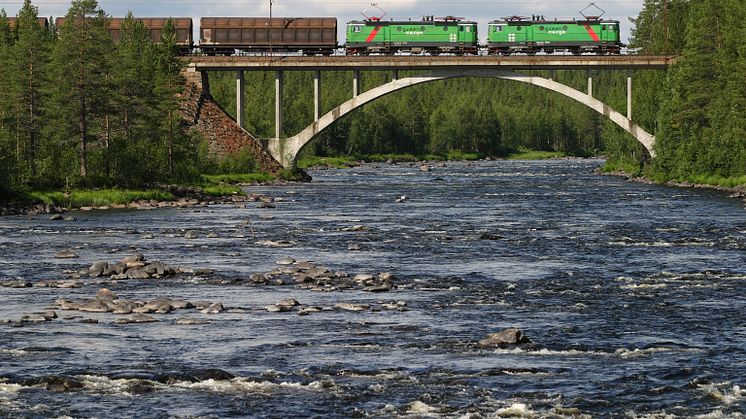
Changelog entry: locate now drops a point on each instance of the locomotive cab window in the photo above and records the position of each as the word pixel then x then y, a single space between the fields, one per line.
pixel 356 28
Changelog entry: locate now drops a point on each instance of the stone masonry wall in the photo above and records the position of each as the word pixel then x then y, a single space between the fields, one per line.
pixel 222 132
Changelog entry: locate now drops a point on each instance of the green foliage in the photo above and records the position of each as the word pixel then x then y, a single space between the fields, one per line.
pixel 97 198
pixel 78 109
pixel 701 121
pixel 239 178
pixel 536 155
pixel 241 162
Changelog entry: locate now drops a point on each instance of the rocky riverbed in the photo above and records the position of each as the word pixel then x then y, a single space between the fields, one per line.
pixel 493 289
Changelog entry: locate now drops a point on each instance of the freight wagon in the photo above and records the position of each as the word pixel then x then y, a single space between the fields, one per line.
pixel 511 36
pixel 43 22
pixel 309 35
pixel 429 35
pixel 154 25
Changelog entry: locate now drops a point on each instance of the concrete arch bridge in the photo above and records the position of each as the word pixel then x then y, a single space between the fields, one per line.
pixel 286 150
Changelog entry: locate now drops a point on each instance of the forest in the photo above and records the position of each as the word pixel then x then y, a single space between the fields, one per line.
pixel 78 110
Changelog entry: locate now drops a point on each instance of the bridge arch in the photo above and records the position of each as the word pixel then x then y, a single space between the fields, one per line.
pixel 286 151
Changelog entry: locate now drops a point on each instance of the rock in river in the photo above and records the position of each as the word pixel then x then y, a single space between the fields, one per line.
pixel 98 269
pixel 95 306
pixel 66 254
pixel 506 337
pixel 137 318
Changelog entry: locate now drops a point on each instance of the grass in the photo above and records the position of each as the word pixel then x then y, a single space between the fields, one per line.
pixel 635 169
pixel 96 198
pixel 725 182
pixel 333 162
pixel 238 178
pixel 535 155
pixel 630 168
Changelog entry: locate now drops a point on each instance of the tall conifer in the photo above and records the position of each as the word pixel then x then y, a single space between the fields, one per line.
pixel 81 86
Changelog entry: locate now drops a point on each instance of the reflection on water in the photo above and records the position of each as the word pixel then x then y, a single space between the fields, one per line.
pixel 631 294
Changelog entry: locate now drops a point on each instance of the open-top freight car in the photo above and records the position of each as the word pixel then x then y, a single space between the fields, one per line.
pixel 42 21
pixel 309 35
pixel 516 35
pixel 429 35
pixel 183 27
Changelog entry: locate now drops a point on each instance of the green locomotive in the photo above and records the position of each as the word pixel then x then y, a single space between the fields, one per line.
pixel 516 35
pixel 429 35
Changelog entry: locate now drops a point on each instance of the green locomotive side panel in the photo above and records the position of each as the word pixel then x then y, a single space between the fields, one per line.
pixel 411 33
pixel 546 33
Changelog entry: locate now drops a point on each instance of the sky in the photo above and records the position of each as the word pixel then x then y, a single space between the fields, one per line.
pixel 480 10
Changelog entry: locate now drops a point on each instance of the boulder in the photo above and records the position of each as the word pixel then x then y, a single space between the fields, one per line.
pixel 215 308
pixel 137 274
pixel 190 235
pixel 137 318
pixel 125 307
pixel 285 261
pixel 98 269
pixel 186 321
pixel 55 383
pixel 67 304
pixel 137 257
pixel 105 294
pixel 66 254
pixel 95 306
pixel 506 337
pixel 352 307
pixel 117 268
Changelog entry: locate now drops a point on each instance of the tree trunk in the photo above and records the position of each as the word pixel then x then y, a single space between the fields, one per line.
pixel 83 127
pixel 32 120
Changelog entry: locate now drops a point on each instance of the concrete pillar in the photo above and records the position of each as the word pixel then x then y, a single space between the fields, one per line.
pixel 629 96
pixel 551 74
pixel 395 75
pixel 239 98
pixel 356 84
pixel 278 104
pixel 316 95
pixel 590 84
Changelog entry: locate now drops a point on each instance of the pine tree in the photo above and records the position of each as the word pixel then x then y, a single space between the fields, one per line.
pixel 685 125
pixel 81 88
pixel 168 85
pixel 31 52
pixel 7 160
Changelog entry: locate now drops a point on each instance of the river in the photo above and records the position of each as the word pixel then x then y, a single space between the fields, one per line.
pixel 633 297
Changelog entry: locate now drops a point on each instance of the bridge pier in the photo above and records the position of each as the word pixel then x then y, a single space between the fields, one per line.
pixel 316 95
pixel 239 98
pixel 278 104
pixel 590 84
pixel 629 96
pixel 356 84
pixel 395 75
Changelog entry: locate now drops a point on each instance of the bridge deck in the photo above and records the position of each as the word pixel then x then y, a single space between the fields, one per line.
pixel 406 62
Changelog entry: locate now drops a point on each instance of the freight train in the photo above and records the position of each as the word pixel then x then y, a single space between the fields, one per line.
pixel 429 35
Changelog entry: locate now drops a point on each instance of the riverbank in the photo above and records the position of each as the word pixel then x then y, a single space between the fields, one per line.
pixel 341 162
pixel 735 186
pixel 213 190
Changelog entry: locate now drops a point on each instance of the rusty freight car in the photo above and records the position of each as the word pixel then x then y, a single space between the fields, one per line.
pixel 154 25
pixel 309 35
pixel 43 22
